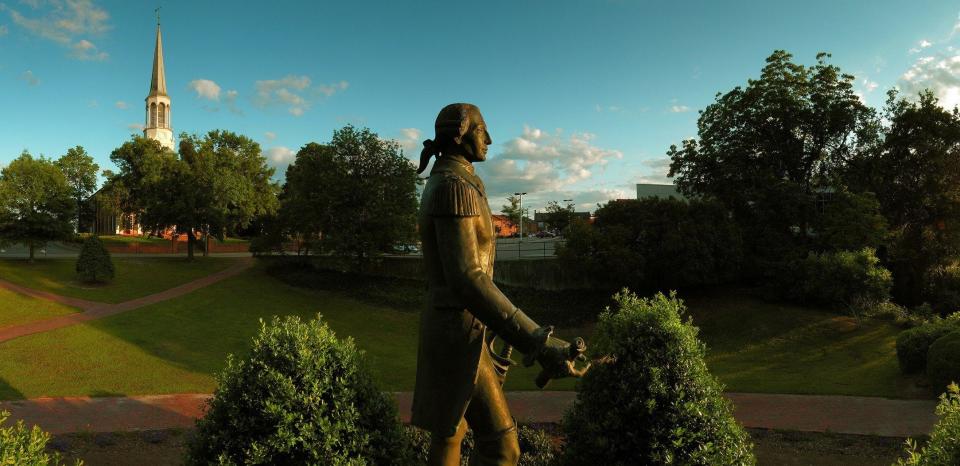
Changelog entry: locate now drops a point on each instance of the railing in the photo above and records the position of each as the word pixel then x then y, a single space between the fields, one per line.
pixel 528 248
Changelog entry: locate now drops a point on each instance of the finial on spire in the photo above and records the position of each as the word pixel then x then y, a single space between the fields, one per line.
pixel 157 10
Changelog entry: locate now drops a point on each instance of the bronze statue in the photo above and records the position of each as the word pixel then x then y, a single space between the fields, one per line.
pixel 459 376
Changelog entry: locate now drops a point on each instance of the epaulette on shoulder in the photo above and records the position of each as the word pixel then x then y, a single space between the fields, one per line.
pixel 455 197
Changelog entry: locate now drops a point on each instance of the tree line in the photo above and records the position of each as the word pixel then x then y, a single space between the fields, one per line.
pixel 355 195
pixel 799 168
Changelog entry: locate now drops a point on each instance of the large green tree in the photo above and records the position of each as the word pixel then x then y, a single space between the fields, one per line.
pixel 769 149
pixel 558 216
pixel 36 205
pixel 81 172
pixel 358 192
pixel 917 178
pixel 217 183
pixel 512 209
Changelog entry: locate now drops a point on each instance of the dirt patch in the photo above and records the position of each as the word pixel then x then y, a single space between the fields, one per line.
pixel 781 448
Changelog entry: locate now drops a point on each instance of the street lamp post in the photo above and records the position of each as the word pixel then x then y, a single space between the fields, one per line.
pixel 520 195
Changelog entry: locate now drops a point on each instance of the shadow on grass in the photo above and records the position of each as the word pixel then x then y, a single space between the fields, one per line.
pixel 7 392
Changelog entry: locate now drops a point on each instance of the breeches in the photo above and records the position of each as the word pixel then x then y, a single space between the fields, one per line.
pixel 494 430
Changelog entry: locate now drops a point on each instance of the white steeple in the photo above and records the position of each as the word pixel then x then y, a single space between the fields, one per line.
pixel 157 125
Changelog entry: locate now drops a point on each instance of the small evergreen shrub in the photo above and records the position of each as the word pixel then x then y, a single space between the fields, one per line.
pixel 943 289
pixel 838 279
pixel 913 344
pixel 943 360
pixel 22 447
pixel 943 448
pixel 654 401
pixel 536 447
pixel 94 264
pixel 300 397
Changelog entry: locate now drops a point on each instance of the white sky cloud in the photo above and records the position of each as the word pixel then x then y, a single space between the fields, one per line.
pixel 135 127
pixel 68 23
pixel 294 92
pixel 679 109
pixel 939 73
pixel 541 162
pixel 270 135
pixel 4 30
pixel 121 105
pixel 280 156
pixel 411 141
pixel 205 89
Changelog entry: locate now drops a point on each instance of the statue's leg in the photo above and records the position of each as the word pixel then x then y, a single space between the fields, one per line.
pixel 445 451
pixel 494 430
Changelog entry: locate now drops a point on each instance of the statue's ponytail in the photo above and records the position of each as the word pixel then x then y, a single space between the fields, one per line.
pixel 430 148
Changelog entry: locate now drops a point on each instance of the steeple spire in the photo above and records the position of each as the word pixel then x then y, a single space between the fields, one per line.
pixel 157 122
pixel 158 81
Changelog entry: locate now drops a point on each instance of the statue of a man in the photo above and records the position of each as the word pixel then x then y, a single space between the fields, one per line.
pixel 459 378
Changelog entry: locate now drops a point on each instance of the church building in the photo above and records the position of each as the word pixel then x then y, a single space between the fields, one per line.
pixel 106 220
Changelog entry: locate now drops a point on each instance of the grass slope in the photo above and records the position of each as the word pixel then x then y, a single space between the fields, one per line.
pixel 135 276
pixel 16 309
pixel 177 345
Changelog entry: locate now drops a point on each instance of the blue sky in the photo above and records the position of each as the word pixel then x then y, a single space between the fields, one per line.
pixel 582 98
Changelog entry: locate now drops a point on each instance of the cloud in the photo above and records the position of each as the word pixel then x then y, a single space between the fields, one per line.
pixel 331 89
pixel 93 104
pixel 86 51
pixel 294 93
pixel 135 126
pixel 270 135
pixel 656 171
pixel 230 98
pixel 280 156
pixel 869 86
pixel 939 73
pixel 540 161
pixel 205 89
pixel 121 105
pixel 411 141
pixel 68 23
pixel 30 78
pixel 679 109
pixel 4 30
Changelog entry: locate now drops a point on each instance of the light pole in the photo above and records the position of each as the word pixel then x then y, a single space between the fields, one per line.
pixel 521 214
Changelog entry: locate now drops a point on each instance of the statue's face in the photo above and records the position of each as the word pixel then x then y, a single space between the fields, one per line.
pixel 477 139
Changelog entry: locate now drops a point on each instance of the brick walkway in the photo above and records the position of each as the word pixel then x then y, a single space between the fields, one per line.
pixel 837 414
pixel 93 310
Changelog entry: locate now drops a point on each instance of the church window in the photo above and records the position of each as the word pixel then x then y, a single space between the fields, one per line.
pixel 162 116
pixel 153 115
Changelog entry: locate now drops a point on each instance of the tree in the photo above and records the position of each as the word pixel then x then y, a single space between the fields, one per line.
pixel 918 186
pixel 94 264
pixel 766 150
pixel 216 183
pixel 81 173
pixel 225 184
pixel 557 216
pixel 358 191
pixel 513 211
pixel 35 203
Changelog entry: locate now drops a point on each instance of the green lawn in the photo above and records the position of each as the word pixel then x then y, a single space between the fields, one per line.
pixel 134 276
pixel 177 345
pixel 16 309
pixel 755 346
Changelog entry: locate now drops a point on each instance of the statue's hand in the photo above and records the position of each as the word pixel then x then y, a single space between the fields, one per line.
pixel 558 358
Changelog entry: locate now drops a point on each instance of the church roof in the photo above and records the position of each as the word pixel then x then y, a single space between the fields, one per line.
pixel 158 81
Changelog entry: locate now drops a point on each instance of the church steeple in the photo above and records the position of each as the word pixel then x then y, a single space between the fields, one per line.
pixel 157 124
pixel 158 80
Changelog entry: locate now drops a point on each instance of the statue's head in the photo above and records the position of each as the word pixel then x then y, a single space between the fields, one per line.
pixel 460 130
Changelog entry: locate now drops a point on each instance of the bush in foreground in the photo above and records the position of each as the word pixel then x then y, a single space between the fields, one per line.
pixel 536 447
pixel 943 448
pixel 22 447
pixel 94 264
pixel 300 397
pixel 943 361
pixel 655 402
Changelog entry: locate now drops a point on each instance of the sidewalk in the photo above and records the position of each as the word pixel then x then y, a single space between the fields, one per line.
pixel 810 413
pixel 94 310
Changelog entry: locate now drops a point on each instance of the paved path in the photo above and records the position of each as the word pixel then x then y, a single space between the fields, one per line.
pixel 837 414
pixel 94 310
